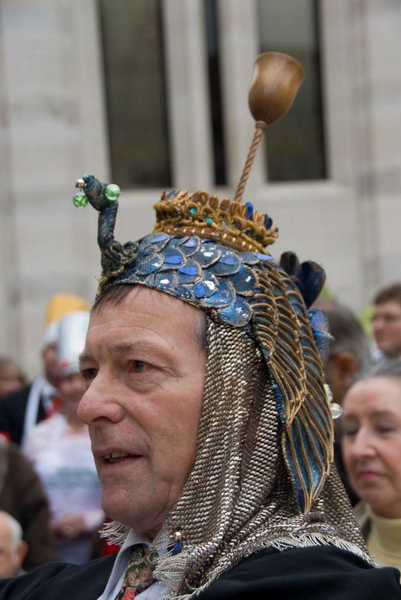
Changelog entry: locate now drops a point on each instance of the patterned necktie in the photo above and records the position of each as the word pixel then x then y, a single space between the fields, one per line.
pixel 139 573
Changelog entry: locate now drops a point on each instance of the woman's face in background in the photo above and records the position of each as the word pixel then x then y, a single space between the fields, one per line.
pixel 371 443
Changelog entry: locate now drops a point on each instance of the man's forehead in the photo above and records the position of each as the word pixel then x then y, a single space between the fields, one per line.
pixel 390 306
pixel 142 317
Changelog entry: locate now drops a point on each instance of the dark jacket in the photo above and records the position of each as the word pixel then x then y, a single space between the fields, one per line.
pixel 12 413
pixel 314 573
pixel 22 495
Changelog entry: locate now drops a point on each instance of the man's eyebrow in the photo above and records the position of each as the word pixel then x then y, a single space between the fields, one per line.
pixel 123 348
pixel 141 345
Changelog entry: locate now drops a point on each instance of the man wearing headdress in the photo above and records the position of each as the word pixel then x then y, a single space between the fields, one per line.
pixel 209 419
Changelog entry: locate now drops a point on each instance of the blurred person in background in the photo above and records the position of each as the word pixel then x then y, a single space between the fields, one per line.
pixel 348 358
pixel 12 547
pixel 371 444
pixel 349 353
pixel 386 321
pixel 61 453
pixel 21 410
pixel 23 497
pixel 11 376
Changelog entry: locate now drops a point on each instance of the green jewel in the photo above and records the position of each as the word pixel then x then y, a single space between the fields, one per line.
pixel 193 210
pixel 112 192
pixel 209 221
pixel 80 200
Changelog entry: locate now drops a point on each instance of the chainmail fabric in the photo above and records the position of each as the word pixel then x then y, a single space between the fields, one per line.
pixel 239 497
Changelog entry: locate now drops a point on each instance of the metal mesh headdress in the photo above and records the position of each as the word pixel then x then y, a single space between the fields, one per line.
pixel 262 470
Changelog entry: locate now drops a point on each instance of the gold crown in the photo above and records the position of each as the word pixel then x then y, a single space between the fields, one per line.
pixel 276 80
pixel 225 221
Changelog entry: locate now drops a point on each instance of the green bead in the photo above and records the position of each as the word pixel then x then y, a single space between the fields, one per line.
pixel 193 210
pixel 112 192
pixel 209 221
pixel 80 200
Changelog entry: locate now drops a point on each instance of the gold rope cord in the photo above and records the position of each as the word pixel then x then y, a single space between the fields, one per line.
pixel 260 128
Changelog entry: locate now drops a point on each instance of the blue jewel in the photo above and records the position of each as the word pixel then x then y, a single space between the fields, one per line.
pixel 189 245
pixel 208 254
pixel 238 313
pixel 189 273
pixel 157 240
pixel 191 242
pixel 210 283
pixel 172 194
pixel 264 257
pixel 244 281
pixel 228 264
pixel 158 237
pixel 199 290
pixel 229 259
pixel 267 221
pixel 249 210
pixel 249 258
pixel 177 548
pixel 149 264
pixel 166 280
pixel 174 259
pixel 184 292
pixel 189 270
pixel 224 296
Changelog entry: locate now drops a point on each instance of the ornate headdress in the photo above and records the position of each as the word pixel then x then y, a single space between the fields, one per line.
pixel 262 342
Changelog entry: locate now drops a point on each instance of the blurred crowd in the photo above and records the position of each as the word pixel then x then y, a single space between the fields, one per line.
pixel 50 501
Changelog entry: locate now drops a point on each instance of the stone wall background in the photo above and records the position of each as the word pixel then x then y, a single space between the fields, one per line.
pixel 53 129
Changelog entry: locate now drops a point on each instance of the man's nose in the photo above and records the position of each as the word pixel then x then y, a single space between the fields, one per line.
pixel 100 401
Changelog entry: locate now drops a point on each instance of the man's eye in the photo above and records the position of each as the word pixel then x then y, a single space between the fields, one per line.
pixel 89 374
pixel 138 366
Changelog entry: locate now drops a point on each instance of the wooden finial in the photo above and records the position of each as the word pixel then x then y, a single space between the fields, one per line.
pixel 276 80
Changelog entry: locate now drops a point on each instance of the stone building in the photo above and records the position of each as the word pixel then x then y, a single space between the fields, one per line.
pixel 152 94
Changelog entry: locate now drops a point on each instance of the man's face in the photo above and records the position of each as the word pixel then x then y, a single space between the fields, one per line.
pixel 145 369
pixel 387 328
pixel 50 363
pixel 11 553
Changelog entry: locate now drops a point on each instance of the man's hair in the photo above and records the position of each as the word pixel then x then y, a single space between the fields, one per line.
pixel 348 336
pixel 15 528
pixel 117 293
pixel 388 293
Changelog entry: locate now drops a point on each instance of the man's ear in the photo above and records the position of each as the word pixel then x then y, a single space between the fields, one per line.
pixel 345 366
pixel 22 550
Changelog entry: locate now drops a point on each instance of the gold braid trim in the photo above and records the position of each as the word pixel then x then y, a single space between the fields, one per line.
pixel 206 216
